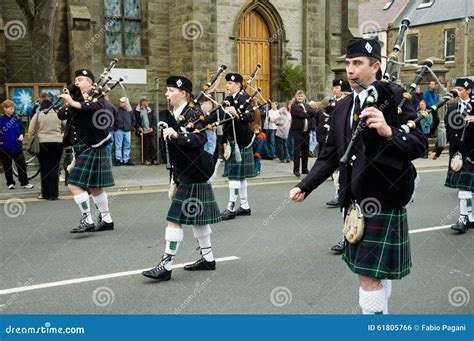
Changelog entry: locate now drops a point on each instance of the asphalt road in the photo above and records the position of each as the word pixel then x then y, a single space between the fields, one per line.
pixel 282 262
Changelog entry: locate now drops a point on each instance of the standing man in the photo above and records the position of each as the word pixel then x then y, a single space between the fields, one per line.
pixel 146 123
pixel 92 171
pixel 193 202
pixel 431 97
pixel 380 172
pixel 460 134
pixel 124 124
pixel 239 136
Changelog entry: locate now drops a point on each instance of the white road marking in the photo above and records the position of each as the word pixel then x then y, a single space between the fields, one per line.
pixel 434 228
pixel 95 278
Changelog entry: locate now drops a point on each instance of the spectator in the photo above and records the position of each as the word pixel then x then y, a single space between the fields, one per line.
pixel 258 147
pixel 416 98
pixel 206 106
pixel 283 128
pixel 322 122
pixel 425 123
pixel 11 148
pixel 313 141
pixel 300 127
pixel 431 97
pixel 37 107
pixel 124 123
pixel 272 116
pixel 48 129
pixel 146 123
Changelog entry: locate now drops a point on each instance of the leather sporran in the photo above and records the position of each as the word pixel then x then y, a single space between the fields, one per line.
pixel 354 224
pixel 456 162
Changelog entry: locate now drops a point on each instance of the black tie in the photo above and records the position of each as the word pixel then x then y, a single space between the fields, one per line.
pixel 356 114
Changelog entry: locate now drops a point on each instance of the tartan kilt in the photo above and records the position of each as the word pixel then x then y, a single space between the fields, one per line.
pixel 93 168
pixel 384 251
pixel 194 204
pixel 244 169
pixel 463 180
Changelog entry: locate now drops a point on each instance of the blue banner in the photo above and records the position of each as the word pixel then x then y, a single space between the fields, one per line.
pixel 237 327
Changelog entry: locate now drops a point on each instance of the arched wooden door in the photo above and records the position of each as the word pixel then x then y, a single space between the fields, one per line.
pixel 253 48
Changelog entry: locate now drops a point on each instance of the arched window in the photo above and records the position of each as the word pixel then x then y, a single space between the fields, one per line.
pixel 122 27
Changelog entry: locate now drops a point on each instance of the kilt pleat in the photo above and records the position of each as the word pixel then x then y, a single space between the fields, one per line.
pixel 93 168
pixel 244 169
pixel 384 251
pixel 463 180
pixel 194 204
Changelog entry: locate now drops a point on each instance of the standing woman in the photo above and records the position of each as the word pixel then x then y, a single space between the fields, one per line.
pixel 191 167
pixel 300 127
pixel 48 129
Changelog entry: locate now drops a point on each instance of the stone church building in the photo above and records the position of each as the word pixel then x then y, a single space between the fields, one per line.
pixel 153 39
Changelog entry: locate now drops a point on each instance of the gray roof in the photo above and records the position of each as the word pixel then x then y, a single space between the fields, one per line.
pixel 373 18
pixel 441 10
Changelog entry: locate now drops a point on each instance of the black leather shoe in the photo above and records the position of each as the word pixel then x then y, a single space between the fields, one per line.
pixel 334 202
pixel 201 264
pixel 84 226
pixel 226 215
pixel 304 172
pixel 460 227
pixel 243 211
pixel 159 272
pixel 339 247
pixel 296 173
pixel 129 163
pixel 103 226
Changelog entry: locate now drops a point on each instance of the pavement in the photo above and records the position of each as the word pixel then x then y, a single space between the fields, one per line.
pixel 140 177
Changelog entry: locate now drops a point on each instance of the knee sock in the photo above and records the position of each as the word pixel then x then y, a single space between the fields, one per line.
pixel 82 200
pixel 465 205
pixel 244 202
pixel 173 237
pixel 372 302
pixel 233 194
pixel 203 234
pixel 387 288
pixel 102 203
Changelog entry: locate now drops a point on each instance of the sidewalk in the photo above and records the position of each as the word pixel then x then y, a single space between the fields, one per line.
pixel 133 178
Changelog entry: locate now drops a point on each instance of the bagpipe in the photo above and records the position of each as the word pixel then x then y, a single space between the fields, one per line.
pixel 101 88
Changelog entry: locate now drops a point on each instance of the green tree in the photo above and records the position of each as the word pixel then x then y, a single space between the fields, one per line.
pixel 291 79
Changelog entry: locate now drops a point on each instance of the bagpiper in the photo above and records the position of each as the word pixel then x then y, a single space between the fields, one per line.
pixel 87 132
pixel 459 123
pixel 379 174
pixel 239 138
pixel 193 201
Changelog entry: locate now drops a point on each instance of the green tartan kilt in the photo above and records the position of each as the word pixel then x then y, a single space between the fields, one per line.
pixel 194 204
pixel 464 179
pixel 93 168
pixel 244 169
pixel 384 251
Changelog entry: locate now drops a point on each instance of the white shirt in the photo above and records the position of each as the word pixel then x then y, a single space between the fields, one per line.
pixel 273 115
pixel 179 110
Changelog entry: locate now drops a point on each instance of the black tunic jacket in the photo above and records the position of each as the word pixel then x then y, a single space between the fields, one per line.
pixel 88 125
pixel 189 162
pixel 382 169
